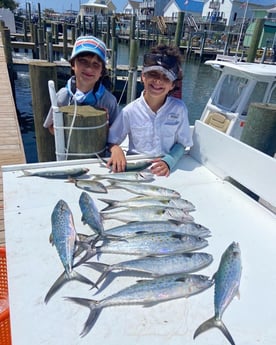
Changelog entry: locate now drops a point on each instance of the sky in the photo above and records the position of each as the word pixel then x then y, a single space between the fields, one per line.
pixel 63 5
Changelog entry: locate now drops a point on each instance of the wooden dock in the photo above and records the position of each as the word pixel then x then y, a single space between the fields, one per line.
pixel 11 145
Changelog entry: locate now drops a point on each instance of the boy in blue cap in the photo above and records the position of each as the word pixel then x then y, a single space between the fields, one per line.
pixel 156 123
pixel 85 87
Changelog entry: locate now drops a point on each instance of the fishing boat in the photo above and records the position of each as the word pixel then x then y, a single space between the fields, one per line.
pixel 205 177
pixel 240 84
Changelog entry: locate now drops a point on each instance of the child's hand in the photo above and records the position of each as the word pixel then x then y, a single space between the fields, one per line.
pixel 117 161
pixel 160 168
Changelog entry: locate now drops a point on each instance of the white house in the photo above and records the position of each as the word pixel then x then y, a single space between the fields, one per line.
pixel 99 8
pixel 232 11
pixel 190 7
pixel 132 8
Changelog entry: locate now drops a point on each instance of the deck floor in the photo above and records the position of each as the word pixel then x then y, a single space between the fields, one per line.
pixel 11 146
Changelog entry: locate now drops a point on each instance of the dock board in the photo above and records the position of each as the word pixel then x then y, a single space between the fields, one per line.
pixel 11 145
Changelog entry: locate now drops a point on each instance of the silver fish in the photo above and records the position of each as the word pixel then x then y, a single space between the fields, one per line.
pixel 57 174
pixel 130 229
pixel 89 185
pixel 90 213
pixel 144 200
pixel 153 213
pixel 144 244
pixel 156 266
pixel 227 282
pixel 64 239
pixel 144 189
pixel 135 176
pixel 140 165
pixel 146 293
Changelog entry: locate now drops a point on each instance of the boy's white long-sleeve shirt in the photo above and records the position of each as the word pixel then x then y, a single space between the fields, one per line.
pixel 151 133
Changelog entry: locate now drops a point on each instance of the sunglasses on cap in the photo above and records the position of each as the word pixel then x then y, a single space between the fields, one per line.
pixel 168 62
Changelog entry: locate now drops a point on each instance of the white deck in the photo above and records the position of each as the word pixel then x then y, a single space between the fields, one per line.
pixel 33 264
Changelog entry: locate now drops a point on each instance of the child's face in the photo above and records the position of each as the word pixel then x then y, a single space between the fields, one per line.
pixel 157 84
pixel 88 69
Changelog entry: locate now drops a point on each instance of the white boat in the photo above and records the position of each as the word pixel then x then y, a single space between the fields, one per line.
pixel 239 85
pixel 203 177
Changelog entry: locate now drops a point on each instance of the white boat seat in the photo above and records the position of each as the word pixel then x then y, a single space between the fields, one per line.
pixel 218 121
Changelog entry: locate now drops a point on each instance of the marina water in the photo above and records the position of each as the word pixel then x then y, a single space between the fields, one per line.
pixel 198 83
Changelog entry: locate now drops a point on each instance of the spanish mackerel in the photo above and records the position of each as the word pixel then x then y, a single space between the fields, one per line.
pixel 152 213
pixel 133 228
pixel 144 189
pixel 140 165
pixel 143 200
pixel 64 238
pixel 136 176
pixel 227 282
pixel 57 174
pixel 156 266
pixel 158 243
pixel 146 293
pixel 90 213
pixel 89 185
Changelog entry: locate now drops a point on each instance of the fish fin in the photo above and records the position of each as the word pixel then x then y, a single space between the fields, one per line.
pixel 95 310
pixel 83 220
pixel 62 280
pixel 213 322
pixel 111 204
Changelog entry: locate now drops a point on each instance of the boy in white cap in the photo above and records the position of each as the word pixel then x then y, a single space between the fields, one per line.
pixel 85 87
pixel 156 123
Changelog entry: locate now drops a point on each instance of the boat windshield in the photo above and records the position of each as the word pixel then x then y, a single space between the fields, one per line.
pixel 257 96
pixel 230 92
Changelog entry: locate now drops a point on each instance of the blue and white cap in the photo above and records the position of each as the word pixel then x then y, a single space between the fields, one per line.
pixel 89 44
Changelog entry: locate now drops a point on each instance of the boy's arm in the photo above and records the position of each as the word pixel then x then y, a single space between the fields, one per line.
pixel 174 156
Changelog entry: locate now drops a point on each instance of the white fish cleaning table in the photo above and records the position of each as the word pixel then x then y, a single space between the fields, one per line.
pixel 231 215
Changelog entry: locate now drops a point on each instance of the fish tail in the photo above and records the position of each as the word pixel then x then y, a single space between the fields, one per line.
pixel 95 310
pixel 101 159
pixel 90 252
pixel 62 280
pixel 111 204
pixel 214 322
pixel 25 173
pixel 70 180
pixel 103 268
pixel 112 185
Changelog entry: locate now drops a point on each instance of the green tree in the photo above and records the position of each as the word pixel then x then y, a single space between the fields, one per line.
pixel 11 4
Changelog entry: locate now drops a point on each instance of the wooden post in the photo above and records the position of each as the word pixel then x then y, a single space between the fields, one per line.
pixel 73 35
pixel 65 42
pixel 49 47
pixel 260 128
pixel 84 25
pixel 35 41
pixel 39 14
pixel 255 39
pixel 132 76
pixel 40 73
pixel 132 27
pixel 95 26
pixel 179 27
pixel 108 35
pixel 114 51
pixel 41 46
pixel 89 131
pixel 25 31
